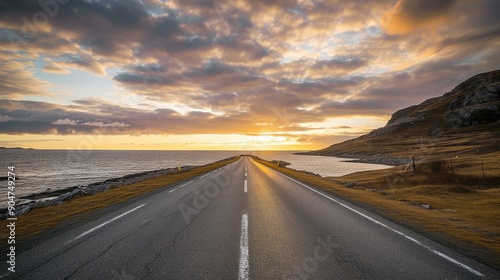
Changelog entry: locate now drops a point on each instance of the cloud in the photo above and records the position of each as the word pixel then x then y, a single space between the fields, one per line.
pixel 115 120
pixel 16 78
pixel 101 124
pixel 324 140
pixel 66 121
pixel 5 118
pixel 485 36
pixel 410 15
pixel 81 62
pixel 55 69
pixel 342 63
pixel 235 66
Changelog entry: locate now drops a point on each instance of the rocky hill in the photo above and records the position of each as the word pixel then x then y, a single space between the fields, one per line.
pixel 462 122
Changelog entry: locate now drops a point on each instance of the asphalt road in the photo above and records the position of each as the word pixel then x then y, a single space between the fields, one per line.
pixel 243 221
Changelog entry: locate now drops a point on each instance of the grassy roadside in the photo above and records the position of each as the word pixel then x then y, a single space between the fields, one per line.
pixel 464 212
pixel 42 219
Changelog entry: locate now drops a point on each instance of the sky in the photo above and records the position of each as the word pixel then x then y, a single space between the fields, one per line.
pixel 233 75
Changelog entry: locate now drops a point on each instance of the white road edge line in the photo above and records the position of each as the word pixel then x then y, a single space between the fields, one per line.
pixel 205 175
pixel 103 224
pixel 244 256
pixel 181 186
pixel 246 186
pixel 470 269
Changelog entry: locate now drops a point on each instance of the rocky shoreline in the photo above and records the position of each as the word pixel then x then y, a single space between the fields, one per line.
pixel 364 158
pixel 376 159
pixel 57 197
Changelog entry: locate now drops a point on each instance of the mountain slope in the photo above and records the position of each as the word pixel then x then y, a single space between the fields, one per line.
pixel 462 122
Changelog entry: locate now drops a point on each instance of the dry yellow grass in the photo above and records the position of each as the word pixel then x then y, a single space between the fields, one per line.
pixel 41 219
pixel 463 216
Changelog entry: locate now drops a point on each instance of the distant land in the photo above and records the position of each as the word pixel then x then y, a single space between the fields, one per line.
pixel 16 148
pixel 462 122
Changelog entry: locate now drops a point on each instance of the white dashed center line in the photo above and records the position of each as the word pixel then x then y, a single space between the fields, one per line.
pixel 244 255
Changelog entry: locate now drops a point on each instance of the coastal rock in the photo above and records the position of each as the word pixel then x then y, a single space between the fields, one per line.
pixel 350 185
pixel 103 187
pixel 280 163
pixel 23 210
pixel 71 194
pixel 376 159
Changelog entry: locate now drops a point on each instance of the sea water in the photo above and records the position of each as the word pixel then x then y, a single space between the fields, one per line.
pixel 39 170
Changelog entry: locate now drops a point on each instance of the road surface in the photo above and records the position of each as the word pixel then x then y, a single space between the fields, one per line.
pixel 243 221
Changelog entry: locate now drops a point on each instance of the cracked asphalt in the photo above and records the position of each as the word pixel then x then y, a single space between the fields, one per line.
pixel 194 231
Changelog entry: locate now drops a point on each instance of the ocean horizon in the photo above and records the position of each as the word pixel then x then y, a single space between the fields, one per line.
pixel 41 170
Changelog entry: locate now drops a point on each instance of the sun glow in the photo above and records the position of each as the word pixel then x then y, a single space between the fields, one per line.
pixel 155 142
